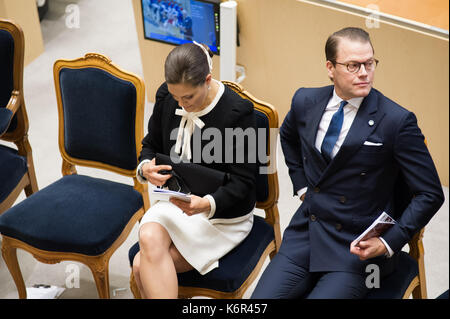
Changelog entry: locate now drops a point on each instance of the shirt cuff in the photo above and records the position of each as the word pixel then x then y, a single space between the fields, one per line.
pixel 389 252
pixel 141 179
pixel 301 192
pixel 212 203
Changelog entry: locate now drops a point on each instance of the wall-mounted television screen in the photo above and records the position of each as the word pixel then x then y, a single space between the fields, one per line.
pixel 182 21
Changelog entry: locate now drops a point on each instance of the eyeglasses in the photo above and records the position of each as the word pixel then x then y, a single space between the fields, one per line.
pixel 354 67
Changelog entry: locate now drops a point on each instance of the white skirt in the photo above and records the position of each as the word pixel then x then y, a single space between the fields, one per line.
pixel 201 241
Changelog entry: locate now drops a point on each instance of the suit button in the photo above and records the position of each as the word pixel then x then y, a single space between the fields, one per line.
pixel 338 227
pixel 313 217
pixel 316 189
pixel 342 199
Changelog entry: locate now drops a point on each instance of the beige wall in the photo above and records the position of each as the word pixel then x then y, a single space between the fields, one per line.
pixel 25 14
pixel 282 49
pixel 431 12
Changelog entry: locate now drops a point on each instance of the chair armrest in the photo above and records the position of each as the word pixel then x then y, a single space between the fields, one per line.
pixel 7 113
pixel 14 102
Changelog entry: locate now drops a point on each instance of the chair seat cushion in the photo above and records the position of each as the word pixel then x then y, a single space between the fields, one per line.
pixel 77 214
pixel 235 267
pixel 444 295
pixel 5 119
pixel 12 169
pixel 394 285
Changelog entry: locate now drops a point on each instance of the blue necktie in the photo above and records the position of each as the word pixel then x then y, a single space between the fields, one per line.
pixel 333 131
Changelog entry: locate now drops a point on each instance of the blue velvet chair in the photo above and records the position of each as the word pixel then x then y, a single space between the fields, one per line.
pixel 78 217
pixel 16 165
pixel 444 295
pixel 240 267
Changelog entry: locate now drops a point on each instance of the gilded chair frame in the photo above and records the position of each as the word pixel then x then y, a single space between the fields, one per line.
pixel 269 206
pixel 418 287
pixel 97 264
pixel 18 136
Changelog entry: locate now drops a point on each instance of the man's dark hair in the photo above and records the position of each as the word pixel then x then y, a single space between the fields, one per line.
pixel 354 34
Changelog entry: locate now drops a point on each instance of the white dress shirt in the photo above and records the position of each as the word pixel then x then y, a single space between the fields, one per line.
pixel 350 111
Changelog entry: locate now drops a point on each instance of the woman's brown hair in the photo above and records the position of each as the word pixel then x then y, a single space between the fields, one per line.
pixel 187 64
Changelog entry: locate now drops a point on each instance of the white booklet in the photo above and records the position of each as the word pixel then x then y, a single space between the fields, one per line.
pixel 165 195
pixel 44 292
pixel 378 227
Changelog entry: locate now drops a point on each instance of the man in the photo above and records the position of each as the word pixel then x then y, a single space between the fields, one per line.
pixel 347 147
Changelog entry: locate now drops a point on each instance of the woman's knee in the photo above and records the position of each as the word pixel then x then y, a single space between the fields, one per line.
pixel 154 241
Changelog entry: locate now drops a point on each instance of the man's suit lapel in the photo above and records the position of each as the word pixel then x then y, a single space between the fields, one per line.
pixel 315 115
pixel 366 120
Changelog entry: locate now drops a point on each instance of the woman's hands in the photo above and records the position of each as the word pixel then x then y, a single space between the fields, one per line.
pixel 196 206
pixel 150 172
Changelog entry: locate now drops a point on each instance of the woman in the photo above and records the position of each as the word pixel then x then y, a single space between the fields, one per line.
pixel 177 236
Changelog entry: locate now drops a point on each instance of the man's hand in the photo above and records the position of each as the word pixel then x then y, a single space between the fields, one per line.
pixel 196 206
pixel 150 172
pixel 367 249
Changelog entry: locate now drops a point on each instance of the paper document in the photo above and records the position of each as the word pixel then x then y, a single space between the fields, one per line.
pixel 165 194
pixel 378 227
pixel 44 292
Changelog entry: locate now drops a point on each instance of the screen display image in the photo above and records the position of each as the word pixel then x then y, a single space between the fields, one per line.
pixel 182 21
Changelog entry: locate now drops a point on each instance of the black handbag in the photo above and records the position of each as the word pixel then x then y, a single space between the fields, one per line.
pixel 191 178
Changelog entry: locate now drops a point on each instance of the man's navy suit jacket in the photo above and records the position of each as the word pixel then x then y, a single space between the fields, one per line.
pixel 345 196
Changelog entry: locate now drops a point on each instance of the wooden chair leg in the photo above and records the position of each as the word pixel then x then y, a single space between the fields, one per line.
pixel 32 187
pixel 9 254
pixel 100 273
